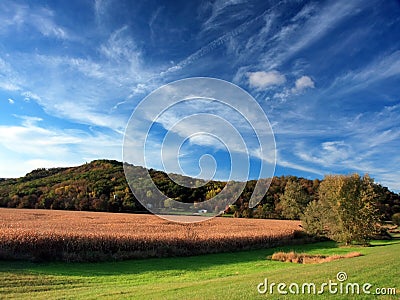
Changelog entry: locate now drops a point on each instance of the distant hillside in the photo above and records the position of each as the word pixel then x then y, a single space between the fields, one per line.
pixel 101 186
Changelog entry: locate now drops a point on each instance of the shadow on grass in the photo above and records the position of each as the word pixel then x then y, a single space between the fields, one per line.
pixel 139 266
pixel 382 243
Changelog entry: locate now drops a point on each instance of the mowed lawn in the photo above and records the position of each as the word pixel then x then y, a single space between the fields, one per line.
pixel 214 276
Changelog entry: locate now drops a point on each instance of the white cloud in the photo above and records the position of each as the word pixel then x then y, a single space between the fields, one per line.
pixel 87 67
pixel 281 161
pixel 11 101
pixel 28 121
pixel 28 146
pixel 212 120
pixel 383 67
pixel 278 41
pixel 87 92
pixel 295 37
pixel 96 85
pixel 43 20
pixel 14 16
pixel 363 139
pixel 283 95
pixel 17 165
pixel 82 89
pixel 231 126
pixel 9 79
pixel 303 83
pixel 121 47
pixel 34 141
pixel 218 9
pixel 101 7
pixel 29 95
pixel 223 40
pixel 328 154
pixel 262 79
pixel 8 86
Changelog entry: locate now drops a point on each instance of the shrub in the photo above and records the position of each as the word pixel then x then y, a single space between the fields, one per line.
pixel 396 218
pixel 304 258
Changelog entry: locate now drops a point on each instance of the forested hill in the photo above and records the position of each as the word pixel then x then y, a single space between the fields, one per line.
pixel 101 186
pixel 98 186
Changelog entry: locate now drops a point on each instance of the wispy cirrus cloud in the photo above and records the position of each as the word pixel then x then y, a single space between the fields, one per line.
pixel 383 67
pixel 320 70
pixel 29 138
pixel 28 95
pixel 309 26
pixel 32 144
pixel 277 42
pixel 43 21
pixel 221 40
pixel 82 89
pixel 20 16
pixel 89 90
pixel 355 145
pixel 9 79
pixel 218 11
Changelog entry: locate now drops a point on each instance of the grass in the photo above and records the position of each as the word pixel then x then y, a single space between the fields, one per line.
pixel 213 276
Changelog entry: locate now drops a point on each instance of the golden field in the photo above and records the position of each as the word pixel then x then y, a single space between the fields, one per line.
pixel 92 236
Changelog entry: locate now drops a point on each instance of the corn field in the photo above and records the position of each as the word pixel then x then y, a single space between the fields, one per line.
pixel 42 235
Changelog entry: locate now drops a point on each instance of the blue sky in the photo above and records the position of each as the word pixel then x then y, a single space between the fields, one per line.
pixel 326 73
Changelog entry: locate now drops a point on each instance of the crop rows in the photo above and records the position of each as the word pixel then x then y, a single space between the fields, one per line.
pixel 89 236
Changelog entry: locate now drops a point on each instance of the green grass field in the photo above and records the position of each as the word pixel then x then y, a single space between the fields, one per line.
pixel 216 276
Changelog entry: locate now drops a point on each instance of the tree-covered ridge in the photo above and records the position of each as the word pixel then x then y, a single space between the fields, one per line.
pixel 101 186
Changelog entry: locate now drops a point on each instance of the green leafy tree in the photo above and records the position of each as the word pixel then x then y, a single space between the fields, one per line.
pixel 346 210
pixel 259 212
pixel 314 218
pixel 294 200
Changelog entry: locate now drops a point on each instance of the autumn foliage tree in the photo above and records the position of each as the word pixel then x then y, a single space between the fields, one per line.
pixel 346 210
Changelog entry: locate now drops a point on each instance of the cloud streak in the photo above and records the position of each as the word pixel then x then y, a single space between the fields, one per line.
pixel 30 144
pixel 20 16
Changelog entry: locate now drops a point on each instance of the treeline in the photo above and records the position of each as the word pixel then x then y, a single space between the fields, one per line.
pixel 289 196
pixel 101 186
